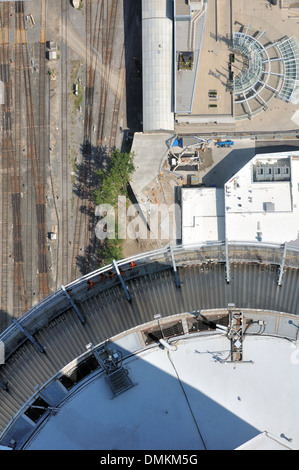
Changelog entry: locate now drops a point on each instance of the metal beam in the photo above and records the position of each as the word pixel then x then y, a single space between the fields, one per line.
pixel 266 106
pixel 273 44
pixel 235 334
pixel 96 354
pixel 3 385
pixel 275 90
pixel 246 100
pixel 260 35
pixel 29 336
pixel 282 59
pixel 227 262
pixel 281 268
pixel 176 276
pixel 246 32
pixel 82 319
pixel 125 288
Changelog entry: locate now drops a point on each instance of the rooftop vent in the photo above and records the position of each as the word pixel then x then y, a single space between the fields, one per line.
pixel 201 323
pixel 119 381
pixel 37 409
pixel 166 331
pixel 78 373
pixel 269 207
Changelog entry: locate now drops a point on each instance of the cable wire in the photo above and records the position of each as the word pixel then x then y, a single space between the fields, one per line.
pixel 190 408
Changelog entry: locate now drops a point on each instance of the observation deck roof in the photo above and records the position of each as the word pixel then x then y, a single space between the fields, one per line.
pixel 188 398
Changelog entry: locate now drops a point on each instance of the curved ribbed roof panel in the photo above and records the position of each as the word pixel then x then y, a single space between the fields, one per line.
pixel 201 270
pixel 157 60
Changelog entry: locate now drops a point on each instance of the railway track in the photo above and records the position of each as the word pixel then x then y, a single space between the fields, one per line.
pixel 24 145
pixel 43 158
pixel 92 42
pixel 36 150
pixel 21 303
pixel 14 289
pixel 6 154
pixel 36 129
pixel 24 274
pixel 99 46
pixel 117 103
pixel 108 30
pixel 63 226
pixel 24 288
pixel 26 187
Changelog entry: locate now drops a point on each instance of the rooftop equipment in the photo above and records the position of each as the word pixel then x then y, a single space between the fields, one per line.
pixel 227 143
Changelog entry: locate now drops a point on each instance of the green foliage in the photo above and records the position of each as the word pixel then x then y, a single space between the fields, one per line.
pixel 114 180
pixel 111 249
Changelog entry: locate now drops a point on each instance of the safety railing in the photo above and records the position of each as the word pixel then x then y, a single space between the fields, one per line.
pixel 149 262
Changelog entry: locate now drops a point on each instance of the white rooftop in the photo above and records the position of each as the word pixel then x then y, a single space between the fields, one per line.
pixel 202 215
pixel 266 209
pixel 259 203
pixel 189 398
pixel 266 441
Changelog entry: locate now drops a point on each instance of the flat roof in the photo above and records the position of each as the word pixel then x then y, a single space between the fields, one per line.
pixel 252 206
pixel 181 8
pixel 190 397
pixel 185 80
pixel 265 441
pixel 149 151
pixel 266 210
pixel 211 58
pixel 202 215
pixel 268 24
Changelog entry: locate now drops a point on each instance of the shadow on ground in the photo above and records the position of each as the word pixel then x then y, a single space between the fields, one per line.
pixel 5 321
pixel 133 60
pixel 236 159
pixel 93 159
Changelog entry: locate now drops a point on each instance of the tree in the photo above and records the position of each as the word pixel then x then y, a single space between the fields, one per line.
pixel 114 180
pixel 110 250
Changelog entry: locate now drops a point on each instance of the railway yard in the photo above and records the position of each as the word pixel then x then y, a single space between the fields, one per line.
pixel 70 91
pixel 62 71
pixel 196 267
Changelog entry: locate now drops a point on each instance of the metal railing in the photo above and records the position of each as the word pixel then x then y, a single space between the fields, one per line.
pixel 146 263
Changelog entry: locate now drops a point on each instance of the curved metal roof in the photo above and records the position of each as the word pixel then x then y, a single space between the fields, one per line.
pixel 157 60
pixel 170 283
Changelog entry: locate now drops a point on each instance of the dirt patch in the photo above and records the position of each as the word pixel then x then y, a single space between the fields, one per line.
pixel 206 160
